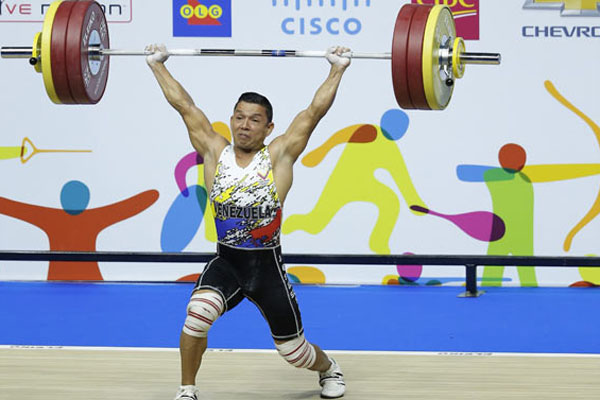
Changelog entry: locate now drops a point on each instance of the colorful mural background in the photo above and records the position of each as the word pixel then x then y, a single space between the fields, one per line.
pixel 510 168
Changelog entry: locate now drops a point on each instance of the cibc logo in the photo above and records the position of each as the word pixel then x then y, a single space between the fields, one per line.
pixel 35 10
pixel 466 16
pixel 314 17
pixel 202 18
pixel 567 8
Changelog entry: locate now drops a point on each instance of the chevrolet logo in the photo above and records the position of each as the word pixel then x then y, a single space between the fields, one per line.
pixel 569 8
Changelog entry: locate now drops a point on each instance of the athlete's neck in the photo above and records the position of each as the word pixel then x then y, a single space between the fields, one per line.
pixel 244 157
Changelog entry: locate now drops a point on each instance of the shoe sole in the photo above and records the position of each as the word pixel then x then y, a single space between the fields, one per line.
pixel 334 397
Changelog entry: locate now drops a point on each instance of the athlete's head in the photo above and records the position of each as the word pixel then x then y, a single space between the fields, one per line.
pixel 251 121
pixel 256 98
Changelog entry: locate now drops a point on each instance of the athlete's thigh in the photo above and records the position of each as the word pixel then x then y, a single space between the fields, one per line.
pixel 274 295
pixel 219 276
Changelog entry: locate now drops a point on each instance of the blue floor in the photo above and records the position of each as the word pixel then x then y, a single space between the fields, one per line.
pixel 532 320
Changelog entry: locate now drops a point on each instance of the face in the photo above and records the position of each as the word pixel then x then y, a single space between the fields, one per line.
pixel 249 126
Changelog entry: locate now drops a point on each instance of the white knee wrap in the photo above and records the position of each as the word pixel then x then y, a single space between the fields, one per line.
pixel 203 309
pixel 298 352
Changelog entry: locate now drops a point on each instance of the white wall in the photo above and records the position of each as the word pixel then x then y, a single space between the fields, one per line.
pixel 136 139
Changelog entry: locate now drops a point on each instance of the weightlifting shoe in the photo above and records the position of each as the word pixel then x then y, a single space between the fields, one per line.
pixel 188 392
pixel 332 382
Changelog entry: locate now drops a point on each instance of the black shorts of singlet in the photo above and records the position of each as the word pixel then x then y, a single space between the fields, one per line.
pixel 258 275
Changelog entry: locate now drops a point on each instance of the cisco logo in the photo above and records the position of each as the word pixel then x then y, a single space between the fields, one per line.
pixel 308 19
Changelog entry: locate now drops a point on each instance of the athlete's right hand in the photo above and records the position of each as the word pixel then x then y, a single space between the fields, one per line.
pixel 159 55
pixel 338 56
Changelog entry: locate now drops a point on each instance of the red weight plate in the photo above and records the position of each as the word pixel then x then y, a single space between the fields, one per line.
pixel 414 58
pixel 58 52
pixel 87 76
pixel 399 54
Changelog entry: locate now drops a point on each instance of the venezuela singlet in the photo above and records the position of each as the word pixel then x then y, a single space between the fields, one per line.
pixel 244 202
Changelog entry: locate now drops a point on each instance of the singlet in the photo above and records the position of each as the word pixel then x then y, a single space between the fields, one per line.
pixel 245 203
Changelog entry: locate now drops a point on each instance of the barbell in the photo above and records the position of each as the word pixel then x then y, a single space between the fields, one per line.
pixel 72 53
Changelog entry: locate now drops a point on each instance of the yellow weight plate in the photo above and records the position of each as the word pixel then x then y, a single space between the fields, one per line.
pixel 458 67
pixel 47 53
pixel 440 28
pixel 37 49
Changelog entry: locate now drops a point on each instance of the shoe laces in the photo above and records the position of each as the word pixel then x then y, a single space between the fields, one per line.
pixel 186 394
pixel 334 373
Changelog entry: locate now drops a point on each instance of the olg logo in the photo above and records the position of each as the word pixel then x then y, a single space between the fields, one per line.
pixel 466 16
pixel 202 18
pixel 200 12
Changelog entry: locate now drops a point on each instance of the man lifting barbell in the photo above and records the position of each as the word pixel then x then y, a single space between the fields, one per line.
pixel 248 182
pixel 72 53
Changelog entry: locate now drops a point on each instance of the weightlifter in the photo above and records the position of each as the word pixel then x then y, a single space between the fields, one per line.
pixel 248 182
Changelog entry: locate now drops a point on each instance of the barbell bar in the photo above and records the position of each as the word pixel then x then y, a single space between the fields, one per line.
pixel 95 52
pixel 72 53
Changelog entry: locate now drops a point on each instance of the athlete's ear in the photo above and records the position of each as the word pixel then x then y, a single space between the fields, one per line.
pixel 270 127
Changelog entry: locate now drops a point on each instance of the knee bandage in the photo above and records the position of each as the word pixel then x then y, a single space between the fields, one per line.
pixel 298 352
pixel 203 309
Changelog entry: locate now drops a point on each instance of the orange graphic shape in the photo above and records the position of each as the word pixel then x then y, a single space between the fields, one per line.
pixel 352 134
pixel 79 232
pixel 189 278
pixel 512 156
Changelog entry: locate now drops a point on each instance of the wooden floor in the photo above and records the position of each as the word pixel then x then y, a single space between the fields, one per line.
pixel 65 374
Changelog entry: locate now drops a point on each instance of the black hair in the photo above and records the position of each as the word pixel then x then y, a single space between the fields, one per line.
pixel 255 98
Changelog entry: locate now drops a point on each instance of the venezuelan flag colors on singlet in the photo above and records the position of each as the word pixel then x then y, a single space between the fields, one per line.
pixel 244 201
